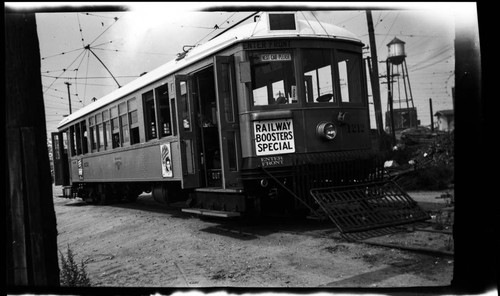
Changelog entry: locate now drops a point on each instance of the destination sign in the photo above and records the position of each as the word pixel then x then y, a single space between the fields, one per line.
pixel 275 57
pixel 274 137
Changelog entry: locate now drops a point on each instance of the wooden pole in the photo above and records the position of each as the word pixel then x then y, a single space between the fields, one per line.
pixel 374 75
pixel 389 100
pixel 432 115
pixel 69 97
pixel 31 234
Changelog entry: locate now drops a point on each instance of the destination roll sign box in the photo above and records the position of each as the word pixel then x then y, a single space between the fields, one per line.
pixel 274 137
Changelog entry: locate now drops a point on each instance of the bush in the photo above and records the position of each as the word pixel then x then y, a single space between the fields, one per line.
pixel 430 178
pixel 72 274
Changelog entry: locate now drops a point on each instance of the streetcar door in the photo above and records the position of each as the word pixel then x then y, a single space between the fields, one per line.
pixel 229 131
pixel 60 159
pixel 186 123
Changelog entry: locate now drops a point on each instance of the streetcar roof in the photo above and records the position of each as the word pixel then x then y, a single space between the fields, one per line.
pixel 307 27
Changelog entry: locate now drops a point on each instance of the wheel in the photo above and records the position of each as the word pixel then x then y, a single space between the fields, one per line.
pixel 160 194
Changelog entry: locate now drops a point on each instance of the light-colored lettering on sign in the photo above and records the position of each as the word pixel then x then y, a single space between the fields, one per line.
pixel 274 137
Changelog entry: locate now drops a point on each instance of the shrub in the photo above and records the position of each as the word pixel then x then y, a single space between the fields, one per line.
pixel 430 178
pixel 72 274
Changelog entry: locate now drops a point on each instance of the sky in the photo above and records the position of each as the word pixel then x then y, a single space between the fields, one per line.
pixel 127 44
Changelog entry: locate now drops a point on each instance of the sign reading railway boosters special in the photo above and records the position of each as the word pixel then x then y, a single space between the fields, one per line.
pixel 274 137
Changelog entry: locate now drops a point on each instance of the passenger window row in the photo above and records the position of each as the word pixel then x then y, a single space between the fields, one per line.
pixel 119 125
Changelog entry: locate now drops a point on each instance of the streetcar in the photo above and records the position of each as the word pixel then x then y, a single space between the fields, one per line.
pixel 249 122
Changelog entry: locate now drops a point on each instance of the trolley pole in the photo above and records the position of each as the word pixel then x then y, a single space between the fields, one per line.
pixel 69 97
pixel 374 74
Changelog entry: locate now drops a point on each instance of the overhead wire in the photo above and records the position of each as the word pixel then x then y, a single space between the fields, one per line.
pixel 95 77
pixel 76 74
pixel 116 19
pixel 81 32
pixel 389 31
pixel 56 78
pixel 92 14
pixel 86 76
pixel 138 52
pixel 216 28
pixel 62 53
pixel 355 16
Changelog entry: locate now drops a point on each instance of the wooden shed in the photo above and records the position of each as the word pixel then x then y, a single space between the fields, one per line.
pixel 445 120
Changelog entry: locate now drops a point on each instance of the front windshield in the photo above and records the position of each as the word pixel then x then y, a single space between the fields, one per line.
pixel 318 82
pixel 326 76
pixel 273 78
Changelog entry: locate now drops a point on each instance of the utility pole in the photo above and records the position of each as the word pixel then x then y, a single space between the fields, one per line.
pixel 69 96
pixel 432 116
pixel 389 99
pixel 374 74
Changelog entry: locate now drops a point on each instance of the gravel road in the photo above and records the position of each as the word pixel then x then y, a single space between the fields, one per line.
pixel 144 244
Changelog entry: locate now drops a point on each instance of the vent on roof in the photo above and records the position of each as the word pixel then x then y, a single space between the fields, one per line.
pixel 282 21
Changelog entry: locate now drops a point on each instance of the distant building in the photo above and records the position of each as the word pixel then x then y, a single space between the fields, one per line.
pixel 445 120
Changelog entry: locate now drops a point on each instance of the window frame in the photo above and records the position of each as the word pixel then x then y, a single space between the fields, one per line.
pixel 363 88
pixel 298 47
pixel 93 135
pixel 113 128
pixel 165 99
pixel 295 53
pixel 149 134
pixel 124 128
pixel 131 125
pixel 333 76
pixel 105 124
pixel 269 30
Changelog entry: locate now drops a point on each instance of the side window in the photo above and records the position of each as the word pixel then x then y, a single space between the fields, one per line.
pixel 149 115
pixel 350 77
pixel 93 134
pixel 99 131
pixel 164 120
pixel 317 71
pixel 65 142
pixel 134 122
pixel 106 129
pixel 174 116
pixel 85 147
pixel 72 138
pixel 122 110
pixel 78 137
pixel 115 128
pixel 186 106
pixel 273 78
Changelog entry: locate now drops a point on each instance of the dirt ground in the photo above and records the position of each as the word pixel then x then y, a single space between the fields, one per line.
pixel 144 244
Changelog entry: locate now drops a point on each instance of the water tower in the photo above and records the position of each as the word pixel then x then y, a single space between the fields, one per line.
pixel 404 113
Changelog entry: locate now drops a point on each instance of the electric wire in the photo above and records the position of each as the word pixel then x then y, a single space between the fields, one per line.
pixel 81 32
pixel 130 51
pixel 62 53
pixel 216 28
pixel 86 76
pixel 355 16
pixel 389 31
pixel 116 20
pixel 57 77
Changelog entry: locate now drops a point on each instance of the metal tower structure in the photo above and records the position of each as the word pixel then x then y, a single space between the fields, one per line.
pixel 405 115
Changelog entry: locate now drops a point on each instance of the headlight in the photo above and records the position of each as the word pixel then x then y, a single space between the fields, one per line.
pixel 326 130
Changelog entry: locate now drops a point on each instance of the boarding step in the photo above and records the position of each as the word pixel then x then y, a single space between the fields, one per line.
pixel 204 212
pixel 219 190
